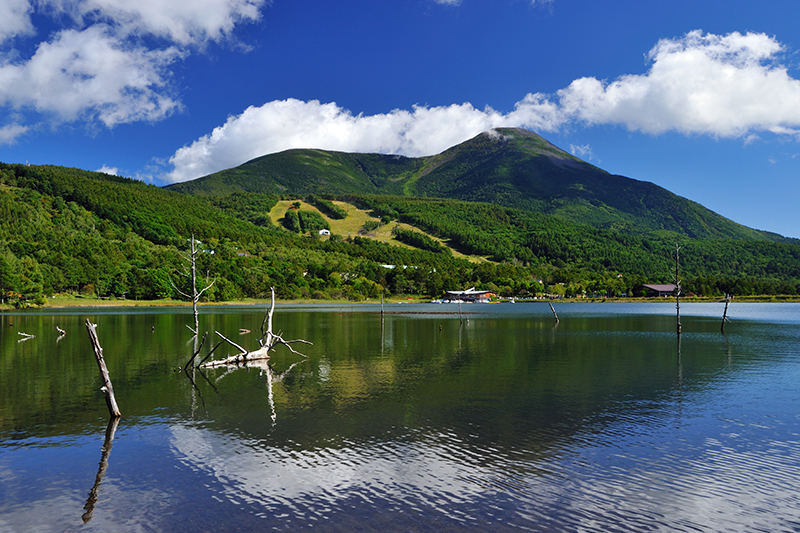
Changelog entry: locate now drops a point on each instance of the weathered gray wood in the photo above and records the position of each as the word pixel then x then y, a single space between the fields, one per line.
pixel 678 287
pixel 725 312
pixel 107 388
pixel 553 309
pixel 191 273
pixel 267 342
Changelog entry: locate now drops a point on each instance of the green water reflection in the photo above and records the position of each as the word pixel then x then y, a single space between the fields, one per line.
pixel 504 412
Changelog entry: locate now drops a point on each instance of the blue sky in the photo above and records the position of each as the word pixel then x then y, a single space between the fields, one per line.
pixel 702 98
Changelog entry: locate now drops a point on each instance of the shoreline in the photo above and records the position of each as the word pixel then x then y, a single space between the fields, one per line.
pixel 69 302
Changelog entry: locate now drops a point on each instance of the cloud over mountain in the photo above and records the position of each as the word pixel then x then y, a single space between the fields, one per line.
pixel 723 86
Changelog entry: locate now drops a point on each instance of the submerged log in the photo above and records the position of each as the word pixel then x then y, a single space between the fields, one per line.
pixel 107 388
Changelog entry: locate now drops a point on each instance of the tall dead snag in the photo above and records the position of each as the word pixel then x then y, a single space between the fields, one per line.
pixel 267 342
pixel 190 272
pixel 728 298
pixel 107 388
pixel 678 287
pixel 553 309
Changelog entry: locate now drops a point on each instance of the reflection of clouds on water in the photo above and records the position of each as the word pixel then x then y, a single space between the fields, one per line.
pixel 316 482
pixel 647 482
pixel 58 508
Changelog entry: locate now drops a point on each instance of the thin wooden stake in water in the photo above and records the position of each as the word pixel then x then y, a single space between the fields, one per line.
pixel 725 312
pixel 107 388
pixel 678 287
pixel 460 316
pixel 553 309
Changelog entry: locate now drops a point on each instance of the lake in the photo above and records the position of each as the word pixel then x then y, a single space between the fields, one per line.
pixel 417 421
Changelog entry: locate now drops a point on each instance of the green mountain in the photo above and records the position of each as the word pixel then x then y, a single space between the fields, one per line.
pixel 513 168
pixel 66 230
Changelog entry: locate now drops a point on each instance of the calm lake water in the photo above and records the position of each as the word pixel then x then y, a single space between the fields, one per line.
pixel 507 421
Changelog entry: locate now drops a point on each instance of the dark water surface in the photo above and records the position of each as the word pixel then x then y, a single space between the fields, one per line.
pixel 419 422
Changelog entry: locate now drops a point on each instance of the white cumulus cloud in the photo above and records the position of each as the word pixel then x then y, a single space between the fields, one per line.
pixel 105 169
pixel 726 86
pixel 180 21
pixel 89 74
pixel 10 133
pixel 109 62
pixel 723 86
pixel 15 18
pixel 285 124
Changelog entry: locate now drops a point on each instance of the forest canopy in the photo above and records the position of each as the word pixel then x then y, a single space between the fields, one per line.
pixel 68 231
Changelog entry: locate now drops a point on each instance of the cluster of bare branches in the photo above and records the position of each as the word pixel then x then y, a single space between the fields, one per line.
pixel 267 342
pixel 190 272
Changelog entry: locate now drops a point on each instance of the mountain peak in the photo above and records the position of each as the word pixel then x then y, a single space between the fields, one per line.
pixel 510 167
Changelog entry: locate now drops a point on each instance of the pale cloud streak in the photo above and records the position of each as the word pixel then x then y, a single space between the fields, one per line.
pixel 723 86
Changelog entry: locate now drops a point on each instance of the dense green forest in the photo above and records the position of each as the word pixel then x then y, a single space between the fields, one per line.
pixel 508 167
pixel 70 231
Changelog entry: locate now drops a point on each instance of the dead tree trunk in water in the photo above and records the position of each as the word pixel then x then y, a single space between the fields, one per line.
pixel 107 388
pixel 728 298
pixel 191 274
pixel 553 309
pixel 267 342
pixel 678 287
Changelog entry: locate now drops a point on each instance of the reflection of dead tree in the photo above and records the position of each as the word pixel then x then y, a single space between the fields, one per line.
pixel 111 401
pixel 191 273
pixel 272 377
pixel 101 472
pixel 267 342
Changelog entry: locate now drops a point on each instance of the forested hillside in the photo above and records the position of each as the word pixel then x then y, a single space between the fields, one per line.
pixel 507 167
pixel 65 230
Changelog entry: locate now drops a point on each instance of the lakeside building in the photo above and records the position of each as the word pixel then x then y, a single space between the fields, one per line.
pixel 661 291
pixel 469 295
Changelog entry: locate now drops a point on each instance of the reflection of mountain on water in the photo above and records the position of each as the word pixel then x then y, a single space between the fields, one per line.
pixel 503 422
pixel 510 382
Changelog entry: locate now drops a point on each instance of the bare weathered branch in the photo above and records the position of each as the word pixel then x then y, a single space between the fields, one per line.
pixel 267 342
pixel 107 388
pixel 197 351
pixel 226 339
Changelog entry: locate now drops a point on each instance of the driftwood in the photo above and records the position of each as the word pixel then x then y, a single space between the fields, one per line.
pixel 107 388
pixel 267 342
pixel 25 336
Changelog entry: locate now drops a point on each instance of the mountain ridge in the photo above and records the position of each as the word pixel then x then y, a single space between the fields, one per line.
pixel 510 167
